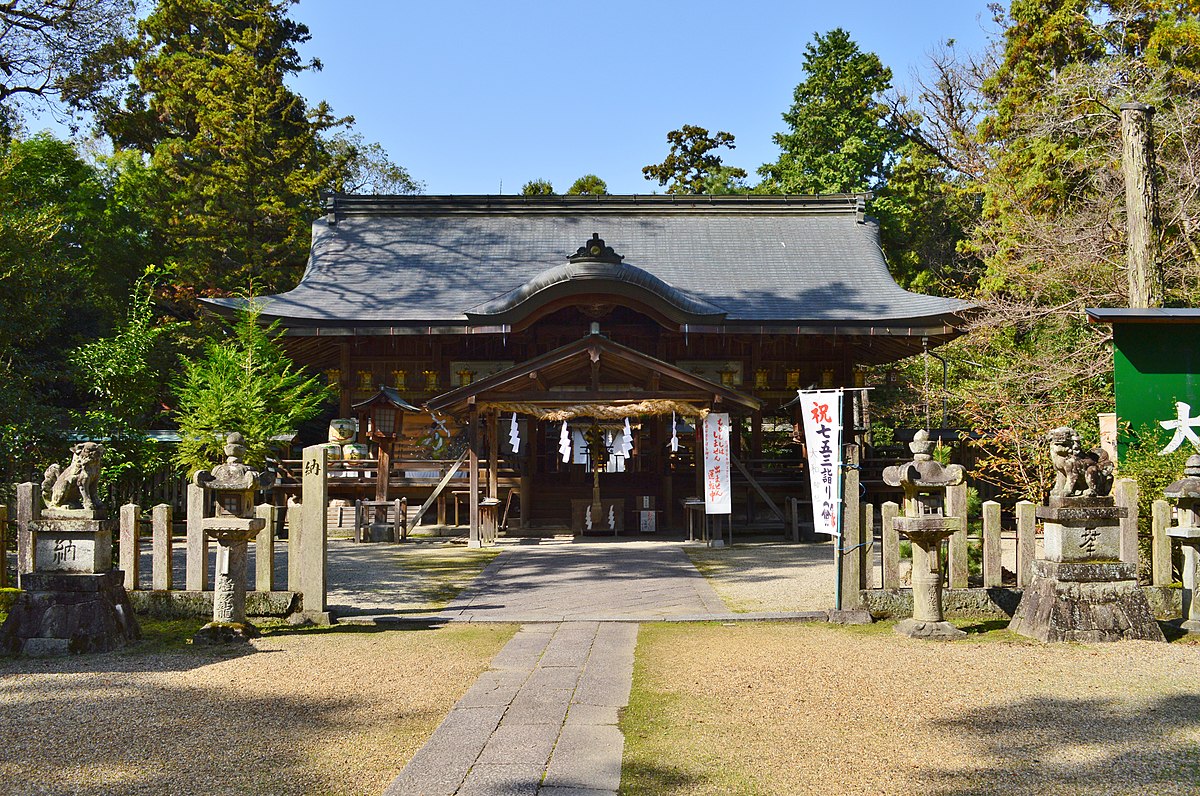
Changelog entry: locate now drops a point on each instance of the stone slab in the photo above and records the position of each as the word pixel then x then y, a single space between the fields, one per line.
pixel 554 791
pixel 1071 541
pixel 592 714
pixel 492 779
pixel 84 551
pixel 933 631
pixel 178 604
pixel 586 757
pixel 520 743
pixel 1085 571
pixel 1103 514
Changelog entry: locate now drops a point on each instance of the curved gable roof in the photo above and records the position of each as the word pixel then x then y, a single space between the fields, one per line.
pixel 379 261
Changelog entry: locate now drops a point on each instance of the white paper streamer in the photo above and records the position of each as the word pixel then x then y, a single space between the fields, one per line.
pixel 627 440
pixel 674 436
pixel 564 444
pixel 587 517
pixel 612 518
pixel 514 435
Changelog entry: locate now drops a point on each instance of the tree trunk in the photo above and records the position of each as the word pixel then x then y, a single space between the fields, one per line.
pixel 1141 205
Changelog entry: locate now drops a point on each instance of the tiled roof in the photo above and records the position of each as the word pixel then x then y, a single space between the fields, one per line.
pixel 429 260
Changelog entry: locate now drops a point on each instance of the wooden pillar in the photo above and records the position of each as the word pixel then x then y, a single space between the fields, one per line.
pixel 345 380
pixel 1141 205
pixel 131 537
pixel 852 569
pixel 197 540
pixel 493 485
pixel 473 539
pixel 161 577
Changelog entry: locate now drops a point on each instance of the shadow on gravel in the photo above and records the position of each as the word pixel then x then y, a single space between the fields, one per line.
pixel 1079 746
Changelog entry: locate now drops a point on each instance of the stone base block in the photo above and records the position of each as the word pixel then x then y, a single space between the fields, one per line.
pixel 1190 626
pixel 60 614
pixel 217 633
pixel 309 618
pixel 934 631
pixel 380 532
pixel 1085 607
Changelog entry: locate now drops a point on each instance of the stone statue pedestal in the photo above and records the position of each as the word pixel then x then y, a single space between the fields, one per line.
pixel 73 601
pixel 927 620
pixel 1080 590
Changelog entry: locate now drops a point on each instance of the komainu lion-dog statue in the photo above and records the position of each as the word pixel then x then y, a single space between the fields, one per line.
pixel 74 487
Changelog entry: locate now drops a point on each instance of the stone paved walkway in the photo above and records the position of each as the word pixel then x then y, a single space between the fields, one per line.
pixel 571 581
pixel 542 721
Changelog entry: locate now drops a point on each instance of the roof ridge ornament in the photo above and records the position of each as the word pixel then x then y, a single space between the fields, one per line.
pixel 595 251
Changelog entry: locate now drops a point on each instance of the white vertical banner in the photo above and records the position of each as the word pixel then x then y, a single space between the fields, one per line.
pixel 821 411
pixel 717 497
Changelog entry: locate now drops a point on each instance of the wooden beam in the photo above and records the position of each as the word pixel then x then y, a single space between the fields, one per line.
pixel 437 490
pixel 474 539
pixel 762 493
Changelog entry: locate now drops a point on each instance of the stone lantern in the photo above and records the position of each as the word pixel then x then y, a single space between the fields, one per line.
pixel 229 489
pixel 1186 494
pixel 925 483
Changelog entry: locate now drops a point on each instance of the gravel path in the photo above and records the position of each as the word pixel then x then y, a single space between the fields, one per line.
pixel 808 709
pixel 307 713
pixel 769 576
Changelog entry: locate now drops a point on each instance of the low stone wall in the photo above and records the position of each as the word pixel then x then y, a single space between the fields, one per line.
pixel 1166 602
pixel 179 604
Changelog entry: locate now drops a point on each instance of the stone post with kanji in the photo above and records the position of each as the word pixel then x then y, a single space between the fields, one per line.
pixel 1186 494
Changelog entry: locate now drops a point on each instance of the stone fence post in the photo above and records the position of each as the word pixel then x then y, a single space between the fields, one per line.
pixel 956 506
pixel 264 548
pixel 891 544
pixel 992 569
pixel 852 569
pixel 1160 548
pixel 1125 494
pixel 160 557
pixel 29 510
pixel 1026 541
pixel 197 540
pixel 131 542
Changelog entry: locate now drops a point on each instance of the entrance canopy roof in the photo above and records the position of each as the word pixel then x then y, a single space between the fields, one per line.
pixel 594 377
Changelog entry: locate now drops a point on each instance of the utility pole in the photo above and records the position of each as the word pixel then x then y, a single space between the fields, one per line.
pixel 1141 205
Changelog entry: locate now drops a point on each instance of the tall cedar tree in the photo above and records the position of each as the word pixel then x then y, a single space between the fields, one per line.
pixel 239 156
pixel 838 138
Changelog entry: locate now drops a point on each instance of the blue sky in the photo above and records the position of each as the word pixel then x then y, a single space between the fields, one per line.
pixel 469 95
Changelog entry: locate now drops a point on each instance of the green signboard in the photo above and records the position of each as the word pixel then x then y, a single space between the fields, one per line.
pixel 1156 366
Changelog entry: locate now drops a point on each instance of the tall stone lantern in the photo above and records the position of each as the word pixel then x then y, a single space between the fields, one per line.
pixel 229 489
pixel 925 483
pixel 1186 494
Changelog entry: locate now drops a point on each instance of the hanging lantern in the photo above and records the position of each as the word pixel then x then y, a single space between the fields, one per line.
pixel 431 379
pixel 464 377
pixel 760 378
pixel 333 377
pixel 383 413
pixel 827 378
pixel 399 377
pixel 793 378
pixel 364 379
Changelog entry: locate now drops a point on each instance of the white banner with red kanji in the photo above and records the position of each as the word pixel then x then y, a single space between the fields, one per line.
pixel 822 412
pixel 717 495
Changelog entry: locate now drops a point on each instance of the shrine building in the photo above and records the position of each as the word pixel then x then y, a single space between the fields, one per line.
pixel 520 336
